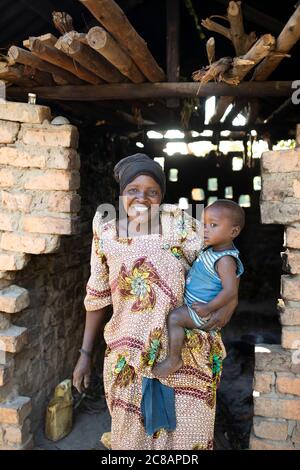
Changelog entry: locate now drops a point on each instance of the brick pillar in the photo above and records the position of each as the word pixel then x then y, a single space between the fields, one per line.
pixel 39 176
pixel 276 423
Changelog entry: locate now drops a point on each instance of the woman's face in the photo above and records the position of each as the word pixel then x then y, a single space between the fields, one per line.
pixel 138 197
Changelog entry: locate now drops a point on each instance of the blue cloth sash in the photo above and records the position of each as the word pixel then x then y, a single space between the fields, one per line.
pixel 157 406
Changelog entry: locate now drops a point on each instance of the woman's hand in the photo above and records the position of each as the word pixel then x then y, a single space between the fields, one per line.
pixel 82 373
pixel 200 308
pixel 221 317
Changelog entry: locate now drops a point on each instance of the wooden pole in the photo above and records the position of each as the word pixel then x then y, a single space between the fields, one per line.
pixel 21 56
pixel 258 51
pixel 88 58
pixel 102 42
pixel 58 58
pixel 130 91
pixel 173 66
pixel 110 15
pixel 47 38
pixel 241 41
pixel 285 41
pixel 15 74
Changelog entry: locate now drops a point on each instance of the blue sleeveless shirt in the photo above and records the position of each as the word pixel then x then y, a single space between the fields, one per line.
pixel 203 283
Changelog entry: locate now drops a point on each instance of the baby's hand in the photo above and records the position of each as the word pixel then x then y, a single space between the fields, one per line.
pixel 200 309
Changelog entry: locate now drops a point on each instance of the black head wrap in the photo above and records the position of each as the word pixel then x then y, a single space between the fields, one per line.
pixel 127 169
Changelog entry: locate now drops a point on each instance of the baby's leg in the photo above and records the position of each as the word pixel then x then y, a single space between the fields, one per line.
pixel 178 319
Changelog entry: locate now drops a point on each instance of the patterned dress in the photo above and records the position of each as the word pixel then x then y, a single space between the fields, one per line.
pixel 143 278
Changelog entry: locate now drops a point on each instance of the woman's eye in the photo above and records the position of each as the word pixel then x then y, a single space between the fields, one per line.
pixel 132 190
pixel 153 193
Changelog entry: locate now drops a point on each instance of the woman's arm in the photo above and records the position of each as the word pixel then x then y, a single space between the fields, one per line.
pixel 226 268
pixel 94 324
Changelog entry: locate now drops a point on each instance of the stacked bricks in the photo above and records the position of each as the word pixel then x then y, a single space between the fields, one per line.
pixel 39 176
pixel 276 424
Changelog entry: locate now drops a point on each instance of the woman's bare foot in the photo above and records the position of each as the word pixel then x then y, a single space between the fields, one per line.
pixel 167 367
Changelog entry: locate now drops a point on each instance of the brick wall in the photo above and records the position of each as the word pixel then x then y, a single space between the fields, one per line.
pixel 276 423
pixel 39 325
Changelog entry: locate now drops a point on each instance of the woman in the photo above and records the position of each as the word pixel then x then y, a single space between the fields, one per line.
pixel 142 275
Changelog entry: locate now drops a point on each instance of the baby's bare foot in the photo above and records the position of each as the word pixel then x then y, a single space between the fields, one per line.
pixel 167 367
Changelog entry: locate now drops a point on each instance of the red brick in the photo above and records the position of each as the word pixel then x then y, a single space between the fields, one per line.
pixel 8 221
pixel 293 237
pixel 13 299
pixel 16 201
pixel 63 202
pixel 290 287
pixel 274 429
pixel 277 407
pixel 50 135
pixel 263 381
pixel 289 315
pixel 7 178
pixel 23 112
pixel 288 383
pixel 16 411
pixel 264 444
pixel 279 212
pixel 10 261
pixel 291 261
pixel 27 243
pixel 290 337
pixel 52 180
pixel 13 339
pixel 281 161
pixel 54 225
pixel 8 131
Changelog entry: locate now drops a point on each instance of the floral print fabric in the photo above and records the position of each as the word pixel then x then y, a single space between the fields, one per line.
pixel 143 278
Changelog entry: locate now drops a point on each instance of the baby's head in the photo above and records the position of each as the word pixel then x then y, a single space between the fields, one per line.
pixel 223 222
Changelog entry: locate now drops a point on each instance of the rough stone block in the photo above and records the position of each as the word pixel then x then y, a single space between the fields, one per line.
pixel 13 299
pixel 289 314
pixel 8 132
pixel 281 187
pixel 23 112
pixel 296 433
pixel 4 375
pixel 14 434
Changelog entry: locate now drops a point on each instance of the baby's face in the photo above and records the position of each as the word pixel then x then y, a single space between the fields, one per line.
pixel 218 226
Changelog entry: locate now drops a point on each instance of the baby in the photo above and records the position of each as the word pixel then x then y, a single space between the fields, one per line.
pixel 212 281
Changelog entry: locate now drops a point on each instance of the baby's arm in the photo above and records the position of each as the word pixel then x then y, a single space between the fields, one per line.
pixel 226 267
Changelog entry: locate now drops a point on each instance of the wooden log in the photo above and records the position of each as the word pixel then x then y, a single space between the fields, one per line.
pixel 42 78
pixel 216 28
pixel 110 15
pixel 47 38
pixel 88 58
pixel 173 65
pixel 131 91
pixel 21 56
pixel 285 41
pixel 241 41
pixel 58 58
pixel 102 42
pixel 15 74
pixel 258 51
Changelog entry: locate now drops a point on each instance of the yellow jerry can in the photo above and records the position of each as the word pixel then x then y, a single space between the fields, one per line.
pixel 59 414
